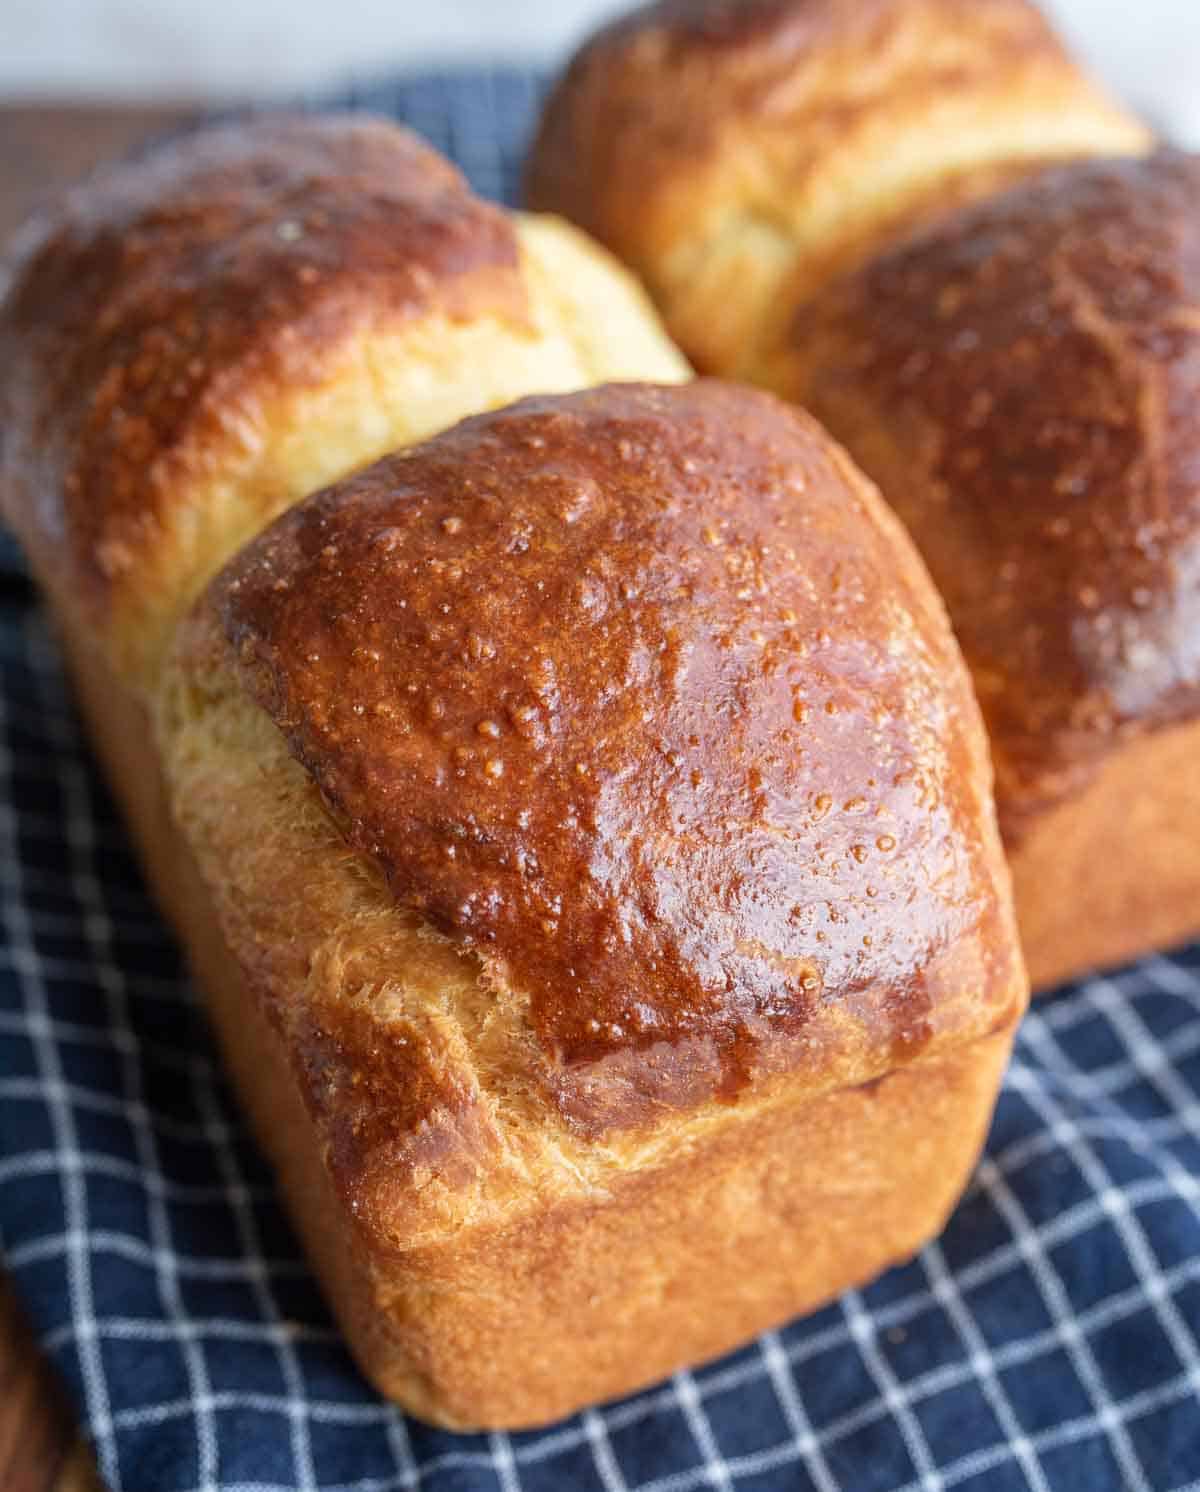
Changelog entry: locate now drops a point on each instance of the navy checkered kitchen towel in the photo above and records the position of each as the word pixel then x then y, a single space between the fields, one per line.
pixel 1048 1340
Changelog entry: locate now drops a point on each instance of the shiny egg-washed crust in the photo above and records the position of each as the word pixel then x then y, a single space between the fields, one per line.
pixel 1022 383
pixel 156 303
pixel 580 1280
pixel 649 585
pixel 739 153
pixel 195 339
pixel 641 700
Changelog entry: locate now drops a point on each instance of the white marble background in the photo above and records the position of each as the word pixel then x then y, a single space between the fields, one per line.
pixel 1148 49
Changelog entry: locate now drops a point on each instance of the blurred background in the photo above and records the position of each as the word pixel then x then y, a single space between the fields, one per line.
pixel 220 49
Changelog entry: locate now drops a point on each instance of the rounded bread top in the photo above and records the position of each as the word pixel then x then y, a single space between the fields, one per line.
pixel 738 153
pixel 643 697
pixel 1022 383
pixel 149 313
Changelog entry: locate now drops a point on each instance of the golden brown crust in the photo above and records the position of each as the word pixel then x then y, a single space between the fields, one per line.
pixel 1022 384
pixel 586 1284
pixel 154 305
pixel 194 341
pixel 641 695
pixel 739 154
pixel 1113 872
pixel 495 1258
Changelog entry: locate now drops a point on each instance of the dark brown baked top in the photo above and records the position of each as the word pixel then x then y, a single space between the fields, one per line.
pixel 148 313
pixel 1023 385
pixel 641 694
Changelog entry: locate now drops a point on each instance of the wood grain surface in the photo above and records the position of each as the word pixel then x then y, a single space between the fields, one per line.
pixel 42 148
pixel 40 1448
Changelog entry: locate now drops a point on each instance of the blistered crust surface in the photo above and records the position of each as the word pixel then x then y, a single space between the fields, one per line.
pixel 642 696
pixel 148 316
pixel 1023 385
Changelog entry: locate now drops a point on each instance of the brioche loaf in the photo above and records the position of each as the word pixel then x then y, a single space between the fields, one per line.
pixel 580 822
pixel 594 802
pixel 1022 382
pixel 1003 343
pixel 196 339
pixel 739 153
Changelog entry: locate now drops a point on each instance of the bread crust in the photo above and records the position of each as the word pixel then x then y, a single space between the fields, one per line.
pixel 193 340
pixel 508 1225
pixel 1114 872
pixel 642 696
pixel 1021 382
pixel 503 1256
pixel 155 307
pixel 738 155
pixel 587 1291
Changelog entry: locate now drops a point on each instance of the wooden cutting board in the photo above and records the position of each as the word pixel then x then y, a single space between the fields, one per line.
pixel 41 148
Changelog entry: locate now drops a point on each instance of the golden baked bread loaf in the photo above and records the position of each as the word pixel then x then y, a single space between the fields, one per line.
pixel 594 808
pixel 1022 382
pixel 836 210
pixel 194 340
pixel 739 153
pixel 580 823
